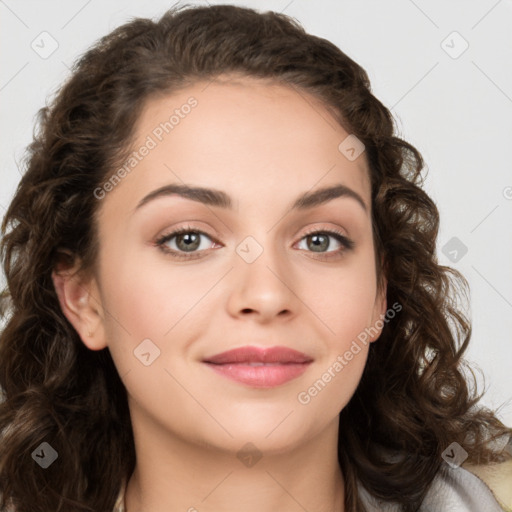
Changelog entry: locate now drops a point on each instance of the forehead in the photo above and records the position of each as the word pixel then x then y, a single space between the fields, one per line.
pixel 243 134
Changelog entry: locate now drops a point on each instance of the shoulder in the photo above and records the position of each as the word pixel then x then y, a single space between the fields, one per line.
pixel 467 488
pixel 471 489
pixel 498 478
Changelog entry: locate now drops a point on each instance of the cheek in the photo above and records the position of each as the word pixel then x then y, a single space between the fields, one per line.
pixel 343 301
pixel 159 302
pixel 334 380
pixel 347 308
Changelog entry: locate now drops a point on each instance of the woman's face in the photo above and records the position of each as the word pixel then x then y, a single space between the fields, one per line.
pixel 263 261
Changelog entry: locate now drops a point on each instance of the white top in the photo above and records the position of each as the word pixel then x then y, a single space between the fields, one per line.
pixel 453 490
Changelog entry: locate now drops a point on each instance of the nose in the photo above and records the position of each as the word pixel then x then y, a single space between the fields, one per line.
pixel 263 289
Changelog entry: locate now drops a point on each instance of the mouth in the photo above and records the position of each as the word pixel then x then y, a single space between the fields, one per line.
pixel 260 367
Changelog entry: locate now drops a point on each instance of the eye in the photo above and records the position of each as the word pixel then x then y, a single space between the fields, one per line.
pixel 189 243
pixel 325 241
pixel 185 243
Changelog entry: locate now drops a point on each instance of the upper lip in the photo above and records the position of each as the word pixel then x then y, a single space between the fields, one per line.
pixel 259 355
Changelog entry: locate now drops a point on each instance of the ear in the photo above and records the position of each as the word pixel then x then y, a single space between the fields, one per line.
pixel 80 301
pixel 379 310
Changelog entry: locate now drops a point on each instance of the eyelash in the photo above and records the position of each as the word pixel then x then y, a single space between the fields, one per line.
pixel 160 243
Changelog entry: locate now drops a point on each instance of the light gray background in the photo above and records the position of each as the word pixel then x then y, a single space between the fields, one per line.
pixel 456 109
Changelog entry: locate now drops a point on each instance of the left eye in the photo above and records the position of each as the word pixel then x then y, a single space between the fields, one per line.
pixel 322 241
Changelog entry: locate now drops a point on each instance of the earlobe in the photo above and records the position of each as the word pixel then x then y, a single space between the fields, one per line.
pixel 379 311
pixel 80 304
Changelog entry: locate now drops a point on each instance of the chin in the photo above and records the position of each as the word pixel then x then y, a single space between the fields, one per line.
pixel 279 432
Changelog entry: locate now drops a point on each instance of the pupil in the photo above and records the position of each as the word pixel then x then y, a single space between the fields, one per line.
pixel 190 241
pixel 320 242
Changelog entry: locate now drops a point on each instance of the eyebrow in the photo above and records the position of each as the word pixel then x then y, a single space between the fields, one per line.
pixel 212 197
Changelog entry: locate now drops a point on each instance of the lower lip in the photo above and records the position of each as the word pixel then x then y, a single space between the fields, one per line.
pixel 264 376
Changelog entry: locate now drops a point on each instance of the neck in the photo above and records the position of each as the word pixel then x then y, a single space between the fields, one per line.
pixel 176 476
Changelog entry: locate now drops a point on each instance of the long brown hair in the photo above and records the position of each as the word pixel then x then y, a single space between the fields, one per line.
pixel 415 396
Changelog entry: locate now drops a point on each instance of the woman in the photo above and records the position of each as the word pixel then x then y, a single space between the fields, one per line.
pixel 186 333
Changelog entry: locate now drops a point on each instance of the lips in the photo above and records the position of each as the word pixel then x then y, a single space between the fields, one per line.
pixel 260 367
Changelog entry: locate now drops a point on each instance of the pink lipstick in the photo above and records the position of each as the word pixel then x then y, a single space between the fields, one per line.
pixel 260 367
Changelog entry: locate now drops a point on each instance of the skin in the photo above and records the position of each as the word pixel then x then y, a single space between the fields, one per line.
pixel 264 145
